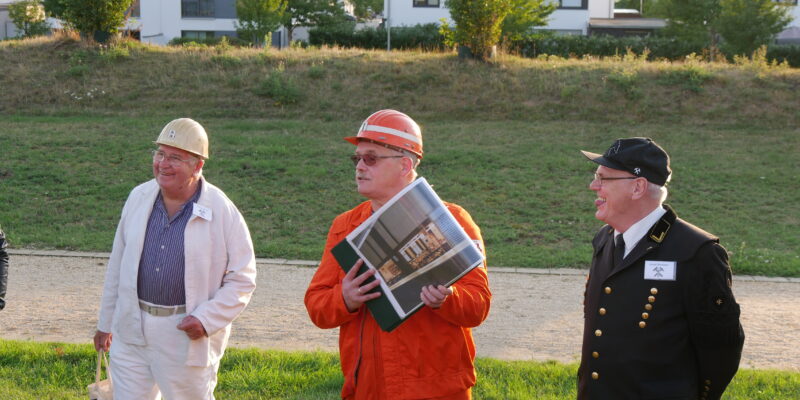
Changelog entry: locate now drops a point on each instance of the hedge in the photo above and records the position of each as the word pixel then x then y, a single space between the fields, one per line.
pixel 425 37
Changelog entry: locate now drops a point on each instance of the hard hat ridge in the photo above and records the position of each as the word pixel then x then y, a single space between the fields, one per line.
pixel 390 128
pixel 185 134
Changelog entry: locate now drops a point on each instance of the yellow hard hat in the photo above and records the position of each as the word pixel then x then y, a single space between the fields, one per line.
pixel 185 134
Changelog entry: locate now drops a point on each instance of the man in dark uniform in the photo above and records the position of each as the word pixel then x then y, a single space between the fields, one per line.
pixel 660 319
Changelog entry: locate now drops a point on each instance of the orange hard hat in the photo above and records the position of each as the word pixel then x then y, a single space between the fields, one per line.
pixel 390 128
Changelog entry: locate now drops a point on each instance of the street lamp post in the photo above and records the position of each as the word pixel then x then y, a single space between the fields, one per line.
pixel 388 25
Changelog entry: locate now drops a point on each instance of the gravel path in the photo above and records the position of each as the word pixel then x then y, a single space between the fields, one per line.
pixel 534 316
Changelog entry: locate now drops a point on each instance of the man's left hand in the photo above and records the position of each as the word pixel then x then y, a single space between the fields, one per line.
pixel 193 327
pixel 434 296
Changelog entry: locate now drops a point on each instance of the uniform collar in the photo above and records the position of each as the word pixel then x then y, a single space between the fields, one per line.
pixel 637 231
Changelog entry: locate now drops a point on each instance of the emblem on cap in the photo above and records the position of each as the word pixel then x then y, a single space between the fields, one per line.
pixel 614 149
pixel 637 170
pixel 172 133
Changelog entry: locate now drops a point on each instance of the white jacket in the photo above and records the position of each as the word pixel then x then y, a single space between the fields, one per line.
pixel 219 278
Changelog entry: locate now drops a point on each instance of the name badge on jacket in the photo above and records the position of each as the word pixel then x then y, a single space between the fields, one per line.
pixel 659 270
pixel 202 211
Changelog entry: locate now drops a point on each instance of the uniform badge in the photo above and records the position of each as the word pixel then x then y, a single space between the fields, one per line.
pixel 659 270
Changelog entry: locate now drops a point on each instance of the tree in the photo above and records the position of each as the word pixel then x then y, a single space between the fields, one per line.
pixel 742 24
pixel 28 16
pixel 92 18
pixel 365 9
pixel 749 24
pixel 311 13
pixel 478 24
pixel 525 15
pixel 258 18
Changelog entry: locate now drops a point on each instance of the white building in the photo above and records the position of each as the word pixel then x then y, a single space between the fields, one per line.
pixel 7 27
pixel 791 35
pixel 159 21
pixel 571 17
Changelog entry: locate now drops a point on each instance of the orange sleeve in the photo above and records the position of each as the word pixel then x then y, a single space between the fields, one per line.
pixel 324 301
pixel 469 304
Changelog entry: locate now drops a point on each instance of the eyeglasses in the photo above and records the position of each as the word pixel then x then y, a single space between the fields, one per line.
pixel 369 159
pixel 172 159
pixel 602 178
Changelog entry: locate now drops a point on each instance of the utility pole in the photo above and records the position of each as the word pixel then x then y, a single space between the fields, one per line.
pixel 388 25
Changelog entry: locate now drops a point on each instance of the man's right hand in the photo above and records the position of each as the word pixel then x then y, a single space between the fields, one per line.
pixel 102 341
pixel 353 292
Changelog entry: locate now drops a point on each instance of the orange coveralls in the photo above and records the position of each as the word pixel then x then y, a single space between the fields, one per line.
pixel 430 355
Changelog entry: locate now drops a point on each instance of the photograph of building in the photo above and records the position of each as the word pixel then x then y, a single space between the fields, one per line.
pixel 414 241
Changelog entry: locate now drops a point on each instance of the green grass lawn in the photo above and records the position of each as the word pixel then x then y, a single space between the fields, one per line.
pixel 36 371
pixel 501 139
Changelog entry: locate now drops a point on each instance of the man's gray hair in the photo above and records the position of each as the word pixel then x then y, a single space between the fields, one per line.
pixel 657 192
pixel 414 161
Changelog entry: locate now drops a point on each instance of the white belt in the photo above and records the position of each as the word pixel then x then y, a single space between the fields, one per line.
pixel 161 311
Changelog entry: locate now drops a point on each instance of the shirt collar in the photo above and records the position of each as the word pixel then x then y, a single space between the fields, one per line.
pixel 159 204
pixel 637 231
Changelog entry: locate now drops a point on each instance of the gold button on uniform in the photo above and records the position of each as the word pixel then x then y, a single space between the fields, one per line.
pixel 645 315
pixel 608 289
pixel 595 354
pixel 708 381
pixel 648 307
pixel 602 311
pixel 642 324
pixel 653 291
pixel 651 299
pixel 598 333
pixel 595 376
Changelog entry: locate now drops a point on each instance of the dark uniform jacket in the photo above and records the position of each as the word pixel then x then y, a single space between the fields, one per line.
pixel 664 324
pixel 3 269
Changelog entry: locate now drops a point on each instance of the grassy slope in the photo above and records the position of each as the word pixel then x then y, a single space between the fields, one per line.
pixel 501 140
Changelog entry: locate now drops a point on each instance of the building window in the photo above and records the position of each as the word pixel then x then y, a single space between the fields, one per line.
pixel 787 2
pixel 426 3
pixel 197 8
pixel 574 4
pixel 135 9
pixel 197 34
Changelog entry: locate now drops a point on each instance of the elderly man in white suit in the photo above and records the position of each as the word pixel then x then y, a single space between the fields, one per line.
pixel 181 270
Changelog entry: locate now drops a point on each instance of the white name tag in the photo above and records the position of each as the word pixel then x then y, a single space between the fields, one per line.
pixel 202 211
pixel 659 270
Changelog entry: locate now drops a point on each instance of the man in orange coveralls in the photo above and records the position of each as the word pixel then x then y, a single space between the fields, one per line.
pixel 431 354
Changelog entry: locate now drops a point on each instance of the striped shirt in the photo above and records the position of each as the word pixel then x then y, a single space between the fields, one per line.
pixel 162 265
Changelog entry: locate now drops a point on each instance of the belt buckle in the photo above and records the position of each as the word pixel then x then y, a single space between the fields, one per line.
pixel 159 311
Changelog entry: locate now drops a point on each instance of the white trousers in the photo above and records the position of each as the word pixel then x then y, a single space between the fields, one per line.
pixel 145 372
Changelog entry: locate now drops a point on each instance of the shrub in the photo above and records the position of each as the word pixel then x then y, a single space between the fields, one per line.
pixel 114 53
pixel 29 17
pixel 691 77
pixel 478 24
pixel 233 41
pixel 655 47
pixel 602 45
pixel 425 37
pixel 226 61
pixel 279 87
pixel 784 53
pixel 95 17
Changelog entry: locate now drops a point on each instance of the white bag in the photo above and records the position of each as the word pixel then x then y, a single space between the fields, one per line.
pixel 101 390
